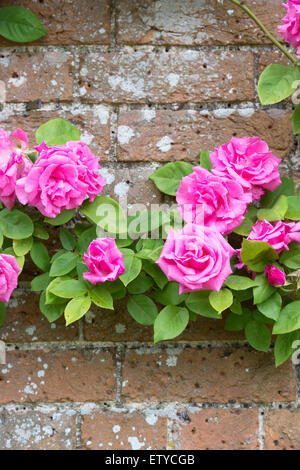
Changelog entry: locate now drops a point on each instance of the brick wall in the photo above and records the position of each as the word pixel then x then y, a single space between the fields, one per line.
pixel 146 82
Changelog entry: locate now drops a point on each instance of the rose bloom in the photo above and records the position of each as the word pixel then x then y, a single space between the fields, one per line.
pixel 207 198
pixel 248 161
pixel 197 257
pixel 275 276
pixel 13 165
pixel 61 178
pixel 290 30
pixel 9 271
pixel 279 235
pixel 104 260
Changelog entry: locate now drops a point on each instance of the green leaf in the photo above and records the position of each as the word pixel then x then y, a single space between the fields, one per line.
pixel 169 295
pixel 296 120
pixel 263 290
pixel 40 232
pixel 62 218
pixel 286 188
pixel 101 296
pixel 51 312
pixel 67 240
pixel 221 300
pixel 133 267
pixel 2 313
pixel 289 319
pixel 63 264
pixel 284 347
pixel 142 309
pixel 21 247
pixel 271 307
pixel 258 335
pixel 277 82
pixel 19 24
pixel 140 284
pixel 52 298
pixel 198 303
pixel 277 212
pixel 237 322
pixel 86 238
pixel 15 224
pixel 156 273
pixel 291 258
pixel 168 177
pixel 170 322
pixel 105 213
pixel 236 307
pixel 257 255
pixel 205 160
pixel 69 288
pixel 39 255
pixel 246 226
pixel 56 132
pixel 76 309
pixel 293 211
pixel 236 282
pixel 40 282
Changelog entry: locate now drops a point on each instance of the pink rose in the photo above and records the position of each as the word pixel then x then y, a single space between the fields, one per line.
pixel 9 270
pixel 248 161
pixel 209 199
pixel 275 276
pixel 61 178
pixel 279 235
pixel 13 165
pixel 291 29
pixel 104 260
pixel 196 257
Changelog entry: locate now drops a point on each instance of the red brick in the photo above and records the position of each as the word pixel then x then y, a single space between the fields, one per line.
pixel 106 430
pixel 192 23
pixel 30 76
pixel 68 21
pixel 170 76
pixel 25 323
pixel 93 123
pixel 181 135
pixel 32 376
pixel 37 430
pixel 282 429
pixel 207 375
pixel 118 325
pixel 217 429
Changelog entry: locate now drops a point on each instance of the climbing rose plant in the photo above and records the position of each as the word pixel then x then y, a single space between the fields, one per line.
pixel 231 246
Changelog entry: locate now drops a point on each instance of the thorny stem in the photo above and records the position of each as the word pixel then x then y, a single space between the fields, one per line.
pixel 264 29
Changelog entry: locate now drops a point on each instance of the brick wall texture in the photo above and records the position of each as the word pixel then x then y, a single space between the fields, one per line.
pixel 147 82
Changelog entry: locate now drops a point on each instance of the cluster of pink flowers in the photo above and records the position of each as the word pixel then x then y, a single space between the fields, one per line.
pixel 290 30
pixel 213 203
pixel 61 178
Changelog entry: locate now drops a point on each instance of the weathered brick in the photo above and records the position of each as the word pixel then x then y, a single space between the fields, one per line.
pixel 216 429
pixel 118 325
pixel 123 429
pixel 30 76
pixel 93 123
pixel 33 376
pixel 25 323
pixel 195 22
pixel 207 375
pixel 68 21
pixel 282 429
pixel 267 58
pixel 37 430
pixel 176 75
pixel 166 135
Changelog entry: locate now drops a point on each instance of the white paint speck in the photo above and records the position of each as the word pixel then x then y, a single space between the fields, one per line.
pixel 165 144
pixel 173 79
pixel 116 429
pixel 135 444
pixel 121 189
pixel 125 134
